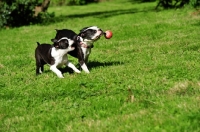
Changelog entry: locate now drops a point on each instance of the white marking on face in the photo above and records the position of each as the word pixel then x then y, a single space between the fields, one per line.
pixel 70 44
pixel 93 27
pixel 62 39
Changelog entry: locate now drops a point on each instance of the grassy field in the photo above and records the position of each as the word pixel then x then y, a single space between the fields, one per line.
pixel 145 79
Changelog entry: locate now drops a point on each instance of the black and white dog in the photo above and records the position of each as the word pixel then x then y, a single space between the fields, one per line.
pixel 82 50
pixel 55 55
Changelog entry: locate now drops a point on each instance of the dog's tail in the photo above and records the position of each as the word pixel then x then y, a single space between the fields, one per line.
pixel 38 43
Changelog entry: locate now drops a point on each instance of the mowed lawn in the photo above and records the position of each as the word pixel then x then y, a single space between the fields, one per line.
pixel 146 78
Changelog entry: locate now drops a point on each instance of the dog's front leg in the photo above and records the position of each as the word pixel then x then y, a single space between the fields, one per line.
pixel 69 64
pixel 55 70
pixel 84 67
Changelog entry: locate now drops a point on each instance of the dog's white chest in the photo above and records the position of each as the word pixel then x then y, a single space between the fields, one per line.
pixel 86 52
pixel 60 56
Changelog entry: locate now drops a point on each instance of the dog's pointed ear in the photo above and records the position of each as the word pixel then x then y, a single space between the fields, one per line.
pixel 54 40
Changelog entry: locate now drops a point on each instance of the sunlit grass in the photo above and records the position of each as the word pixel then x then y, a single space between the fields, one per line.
pixel 145 78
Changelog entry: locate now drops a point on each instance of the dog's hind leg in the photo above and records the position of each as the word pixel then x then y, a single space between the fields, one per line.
pixel 42 63
pixel 37 70
pixel 41 69
pixel 38 67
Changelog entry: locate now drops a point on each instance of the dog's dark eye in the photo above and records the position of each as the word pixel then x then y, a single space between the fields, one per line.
pixel 95 31
pixel 66 42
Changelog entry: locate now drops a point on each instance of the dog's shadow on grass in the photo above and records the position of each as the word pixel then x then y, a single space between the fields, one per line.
pixel 91 65
pixel 94 64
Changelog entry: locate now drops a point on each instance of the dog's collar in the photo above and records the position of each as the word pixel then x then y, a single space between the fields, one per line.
pixel 85 45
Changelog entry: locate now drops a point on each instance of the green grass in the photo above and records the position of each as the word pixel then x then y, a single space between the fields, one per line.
pixel 146 78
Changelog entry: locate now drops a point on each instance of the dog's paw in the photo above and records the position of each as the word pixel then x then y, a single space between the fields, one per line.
pixel 60 76
pixel 77 71
pixel 84 67
pixel 87 72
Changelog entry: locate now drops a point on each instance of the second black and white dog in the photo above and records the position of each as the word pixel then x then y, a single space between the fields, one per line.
pixel 55 55
pixel 82 50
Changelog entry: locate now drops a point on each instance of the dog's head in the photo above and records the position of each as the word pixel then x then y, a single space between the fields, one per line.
pixel 90 34
pixel 63 43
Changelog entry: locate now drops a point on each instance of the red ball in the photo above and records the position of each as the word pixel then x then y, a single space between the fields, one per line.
pixel 108 34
